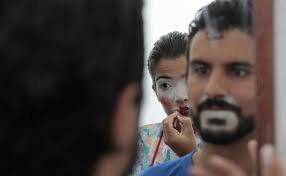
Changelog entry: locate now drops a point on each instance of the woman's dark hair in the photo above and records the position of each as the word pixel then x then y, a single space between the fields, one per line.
pixel 169 46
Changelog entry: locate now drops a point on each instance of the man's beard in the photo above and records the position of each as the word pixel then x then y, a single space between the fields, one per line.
pixel 223 126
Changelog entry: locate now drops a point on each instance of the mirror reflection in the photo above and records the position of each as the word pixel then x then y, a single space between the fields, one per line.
pixel 215 113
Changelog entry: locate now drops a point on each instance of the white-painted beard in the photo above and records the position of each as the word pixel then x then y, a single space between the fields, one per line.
pixel 219 121
pixel 223 125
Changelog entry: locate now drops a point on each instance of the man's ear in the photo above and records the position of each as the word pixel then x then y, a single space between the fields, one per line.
pixel 125 117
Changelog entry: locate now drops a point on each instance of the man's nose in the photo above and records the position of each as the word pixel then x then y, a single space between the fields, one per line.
pixel 216 86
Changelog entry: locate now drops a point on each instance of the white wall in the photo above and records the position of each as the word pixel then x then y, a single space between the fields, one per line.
pixel 280 77
pixel 161 17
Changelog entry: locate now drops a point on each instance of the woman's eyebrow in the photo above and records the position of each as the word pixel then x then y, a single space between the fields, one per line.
pixel 163 77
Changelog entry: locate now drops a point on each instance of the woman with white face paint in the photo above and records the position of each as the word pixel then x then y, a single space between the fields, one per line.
pixel 174 137
pixel 171 90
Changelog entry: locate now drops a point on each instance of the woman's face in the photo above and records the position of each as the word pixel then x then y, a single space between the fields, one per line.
pixel 170 84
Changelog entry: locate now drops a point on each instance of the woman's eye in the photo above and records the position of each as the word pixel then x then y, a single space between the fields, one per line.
pixel 165 86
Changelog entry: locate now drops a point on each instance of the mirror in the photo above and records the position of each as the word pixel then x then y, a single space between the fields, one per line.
pixel 270 78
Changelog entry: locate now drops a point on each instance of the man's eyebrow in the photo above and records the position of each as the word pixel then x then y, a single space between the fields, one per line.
pixel 184 75
pixel 197 61
pixel 163 77
pixel 240 63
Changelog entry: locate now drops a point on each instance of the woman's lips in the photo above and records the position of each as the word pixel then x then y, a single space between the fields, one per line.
pixel 184 111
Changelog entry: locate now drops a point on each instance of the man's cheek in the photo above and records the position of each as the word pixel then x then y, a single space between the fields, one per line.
pixel 193 100
pixel 249 110
pixel 248 105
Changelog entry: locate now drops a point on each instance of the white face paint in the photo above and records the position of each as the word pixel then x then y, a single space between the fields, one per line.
pixel 170 83
pixel 166 87
pixel 172 93
pixel 219 121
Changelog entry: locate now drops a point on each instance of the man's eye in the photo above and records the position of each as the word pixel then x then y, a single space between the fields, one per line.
pixel 240 72
pixel 165 86
pixel 201 70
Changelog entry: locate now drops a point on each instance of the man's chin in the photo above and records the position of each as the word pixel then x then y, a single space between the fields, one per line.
pixel 221 138
pixel 225 138
pixel 234 128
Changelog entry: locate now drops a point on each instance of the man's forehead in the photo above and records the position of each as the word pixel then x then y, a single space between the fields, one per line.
pixel 234 45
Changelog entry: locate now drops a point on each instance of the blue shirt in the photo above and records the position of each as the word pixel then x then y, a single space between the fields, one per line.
pixel 178 167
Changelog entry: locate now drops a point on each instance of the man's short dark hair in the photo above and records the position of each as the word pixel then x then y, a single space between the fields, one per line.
pixel 220 16
pixel 63 64
pixel 169 46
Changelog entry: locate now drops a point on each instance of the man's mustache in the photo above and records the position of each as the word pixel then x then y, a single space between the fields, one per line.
pixel 220 103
